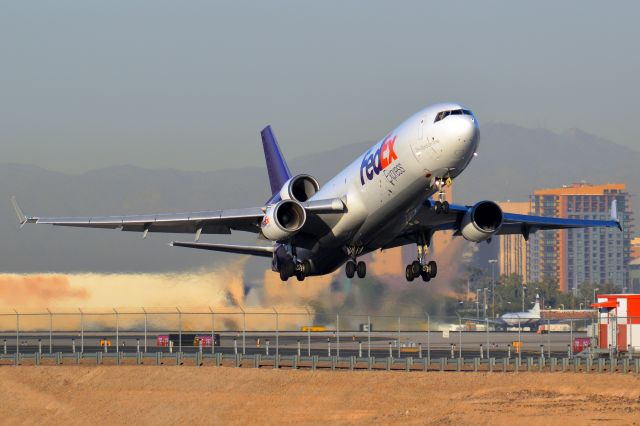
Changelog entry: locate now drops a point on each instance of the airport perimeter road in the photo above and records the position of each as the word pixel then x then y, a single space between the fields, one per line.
pixel 379 344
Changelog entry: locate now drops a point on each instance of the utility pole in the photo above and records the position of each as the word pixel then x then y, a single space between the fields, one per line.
pixel 477 303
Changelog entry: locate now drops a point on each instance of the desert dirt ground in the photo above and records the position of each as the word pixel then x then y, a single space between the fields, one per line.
pixel 225 395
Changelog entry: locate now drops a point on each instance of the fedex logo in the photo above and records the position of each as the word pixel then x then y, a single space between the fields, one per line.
pixel 380 159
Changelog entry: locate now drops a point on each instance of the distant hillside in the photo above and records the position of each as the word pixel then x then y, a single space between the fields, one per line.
pixel 512 161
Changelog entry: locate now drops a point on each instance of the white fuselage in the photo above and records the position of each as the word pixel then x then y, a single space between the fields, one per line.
pixel 383 188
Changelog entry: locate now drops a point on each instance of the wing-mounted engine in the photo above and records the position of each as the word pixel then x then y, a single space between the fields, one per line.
pixel 283 220
pixel 299 188
pixel 481 221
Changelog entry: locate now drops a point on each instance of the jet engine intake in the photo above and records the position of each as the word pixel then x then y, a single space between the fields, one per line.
pixel 299 188
pixel 283 220
pixel 481 221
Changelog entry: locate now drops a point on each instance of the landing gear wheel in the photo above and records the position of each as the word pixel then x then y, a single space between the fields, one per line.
pixel 300 276
pixel 433 269
pixel 445 207
pixel 350 269
pixel 437 207
pixel 416 267
pixel 408 273
pixel 361 269
pixel 426 276
pixel 284 276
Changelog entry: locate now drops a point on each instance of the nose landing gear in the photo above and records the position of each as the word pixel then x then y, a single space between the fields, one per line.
pixel 442 205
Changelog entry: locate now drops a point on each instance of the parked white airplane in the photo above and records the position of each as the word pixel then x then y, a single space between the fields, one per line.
pixel 381 200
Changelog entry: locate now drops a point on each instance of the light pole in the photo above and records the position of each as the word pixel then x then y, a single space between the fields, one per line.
pixel 484 306
pixel 493 287
pixel 477 303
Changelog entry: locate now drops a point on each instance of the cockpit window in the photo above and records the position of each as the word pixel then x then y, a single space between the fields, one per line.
pixel 443 114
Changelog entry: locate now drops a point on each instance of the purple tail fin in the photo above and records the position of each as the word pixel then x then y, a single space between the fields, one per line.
pixel 276 166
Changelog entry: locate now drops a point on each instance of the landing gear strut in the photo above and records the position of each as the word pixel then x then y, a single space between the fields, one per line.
pixel 420 267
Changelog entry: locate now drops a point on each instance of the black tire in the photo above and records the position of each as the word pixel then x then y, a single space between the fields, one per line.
pixel 290 269
pixel 361 269
pixel 437 207
pixel 445 207
pixel 300 276
pixel 350 269
pixel 433 269
pixel 416 267
pixel 284 276
pixel 425 276
pixel 408 273
pixel 306 267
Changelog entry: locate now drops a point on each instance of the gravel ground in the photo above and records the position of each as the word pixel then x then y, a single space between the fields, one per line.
pixel 209 395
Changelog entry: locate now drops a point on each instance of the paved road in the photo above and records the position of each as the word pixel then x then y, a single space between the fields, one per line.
pixel 379 344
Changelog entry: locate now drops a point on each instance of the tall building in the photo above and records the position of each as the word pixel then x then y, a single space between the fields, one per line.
pixel 512 252
pixel 576 256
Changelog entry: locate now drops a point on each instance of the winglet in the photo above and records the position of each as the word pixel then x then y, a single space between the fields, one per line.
pixel 21 217
pixel 614 213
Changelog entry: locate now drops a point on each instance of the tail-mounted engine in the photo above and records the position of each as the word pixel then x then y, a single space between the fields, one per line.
pixel 481 222
pixel 299 188
pixel 283 220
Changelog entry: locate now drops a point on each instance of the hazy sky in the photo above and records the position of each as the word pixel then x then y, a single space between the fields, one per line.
pixel 86 84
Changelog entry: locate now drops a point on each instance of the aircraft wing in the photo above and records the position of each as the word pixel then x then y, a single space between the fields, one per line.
pixel 426 221
pixel 204 222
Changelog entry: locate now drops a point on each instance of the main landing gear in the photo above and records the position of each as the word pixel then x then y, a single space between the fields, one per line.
pixel 351 268
pixel 300 270
pixel 422 268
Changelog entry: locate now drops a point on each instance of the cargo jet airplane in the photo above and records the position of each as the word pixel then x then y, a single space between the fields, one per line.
pixel 391 195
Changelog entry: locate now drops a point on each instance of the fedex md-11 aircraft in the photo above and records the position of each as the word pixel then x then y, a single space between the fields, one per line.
pixel 383 199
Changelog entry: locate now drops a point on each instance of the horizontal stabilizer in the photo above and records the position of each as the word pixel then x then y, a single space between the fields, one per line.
pixel 250 250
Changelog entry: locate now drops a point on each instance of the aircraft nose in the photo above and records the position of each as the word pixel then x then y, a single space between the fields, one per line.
pixel 467 129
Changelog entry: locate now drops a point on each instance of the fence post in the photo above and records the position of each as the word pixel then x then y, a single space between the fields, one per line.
pixel 399 337
pixel 277 332
pixel 179 330
pixel 428 337
pixel 50 331
pixel 338 335
pixel 298 348
pixel 117 330
pixel 244 331
pixel 81 331
pixel 17 334
pixel 369 336
pixel 309 332
pixel 571 338
pixel 213 335
pixel 145 329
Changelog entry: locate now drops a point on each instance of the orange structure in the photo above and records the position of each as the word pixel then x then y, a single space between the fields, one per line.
pixel 576 256
pixel 618 321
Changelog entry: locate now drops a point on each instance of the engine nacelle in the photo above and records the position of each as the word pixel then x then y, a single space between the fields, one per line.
pixel 481 222
pixel 299 188
pixel 283 220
